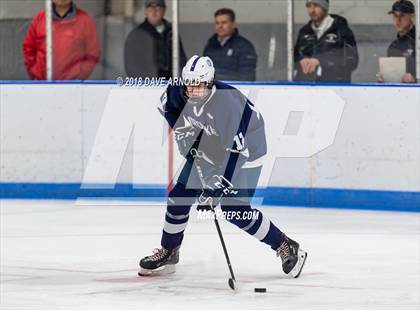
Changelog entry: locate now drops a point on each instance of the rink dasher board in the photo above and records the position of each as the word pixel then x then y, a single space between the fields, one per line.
pixel 371 162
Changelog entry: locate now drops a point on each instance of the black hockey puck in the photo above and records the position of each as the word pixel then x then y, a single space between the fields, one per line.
pixel 260 290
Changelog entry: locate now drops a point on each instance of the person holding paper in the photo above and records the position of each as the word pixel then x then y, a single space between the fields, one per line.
pixel 403 13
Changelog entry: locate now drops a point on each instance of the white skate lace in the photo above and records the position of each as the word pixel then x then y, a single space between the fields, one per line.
pixel 283 251
pixel 158 254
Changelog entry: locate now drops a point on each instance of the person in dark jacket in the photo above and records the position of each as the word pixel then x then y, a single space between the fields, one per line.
pixel 403 13
pixel 148 47
pixel 234 56
pixel 326 49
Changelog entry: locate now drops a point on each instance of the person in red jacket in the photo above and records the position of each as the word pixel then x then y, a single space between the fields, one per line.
pixel 75 44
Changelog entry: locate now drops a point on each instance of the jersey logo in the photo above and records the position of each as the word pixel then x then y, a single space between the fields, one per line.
pixel 331 38
pixel 210 131
pixel 223 184
pixel 184 132
pixel 308 37
pixel 408 53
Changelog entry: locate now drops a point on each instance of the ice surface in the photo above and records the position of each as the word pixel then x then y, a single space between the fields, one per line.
pixel 72 255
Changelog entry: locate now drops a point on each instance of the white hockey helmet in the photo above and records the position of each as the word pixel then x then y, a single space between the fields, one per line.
pixel 198 69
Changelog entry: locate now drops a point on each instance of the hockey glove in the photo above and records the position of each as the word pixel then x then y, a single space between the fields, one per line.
pixel 213 192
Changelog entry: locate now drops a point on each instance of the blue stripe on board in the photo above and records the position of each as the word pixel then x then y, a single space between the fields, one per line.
pixel 276 196
pixel 238 83
pixel 74 191
pixel 342 198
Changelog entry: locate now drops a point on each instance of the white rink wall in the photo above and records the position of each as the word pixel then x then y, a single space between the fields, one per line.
pixel 356 137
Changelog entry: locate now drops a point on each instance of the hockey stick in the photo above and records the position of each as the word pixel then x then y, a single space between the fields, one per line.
pixel 231 281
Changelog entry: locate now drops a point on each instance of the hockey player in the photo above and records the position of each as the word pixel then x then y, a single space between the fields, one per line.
pixel 222 137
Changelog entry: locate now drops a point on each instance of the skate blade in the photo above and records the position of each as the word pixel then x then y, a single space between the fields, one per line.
pixel 164 270
pixel 302 255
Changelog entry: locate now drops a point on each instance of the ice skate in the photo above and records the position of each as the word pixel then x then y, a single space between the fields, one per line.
pixel 292 256
pixel 162 261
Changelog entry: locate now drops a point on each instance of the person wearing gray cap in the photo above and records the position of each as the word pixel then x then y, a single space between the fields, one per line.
pixel 403 13
pixel 148 47
pixel 326 49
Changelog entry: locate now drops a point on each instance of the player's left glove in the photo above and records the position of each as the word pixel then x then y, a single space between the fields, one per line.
pixel 217 187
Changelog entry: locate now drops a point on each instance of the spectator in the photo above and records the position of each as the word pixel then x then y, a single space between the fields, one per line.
pixel 326 49
pixel 403 13
pixel 233 56
pixel 148 47
pixel 75 44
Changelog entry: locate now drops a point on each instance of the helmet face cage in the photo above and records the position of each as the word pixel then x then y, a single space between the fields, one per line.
pixel 198 70
pixel 199 99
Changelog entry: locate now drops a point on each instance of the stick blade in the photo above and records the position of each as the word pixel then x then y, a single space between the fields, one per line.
pixel 231 283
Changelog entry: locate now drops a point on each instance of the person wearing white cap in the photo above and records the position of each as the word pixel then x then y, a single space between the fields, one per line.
pixel 326 49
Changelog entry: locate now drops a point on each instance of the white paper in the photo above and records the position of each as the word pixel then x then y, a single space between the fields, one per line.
pixel 392 68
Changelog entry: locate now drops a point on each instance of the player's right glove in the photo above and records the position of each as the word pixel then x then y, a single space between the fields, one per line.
pixel 213 192
pixel 214 184
pixel 185 138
